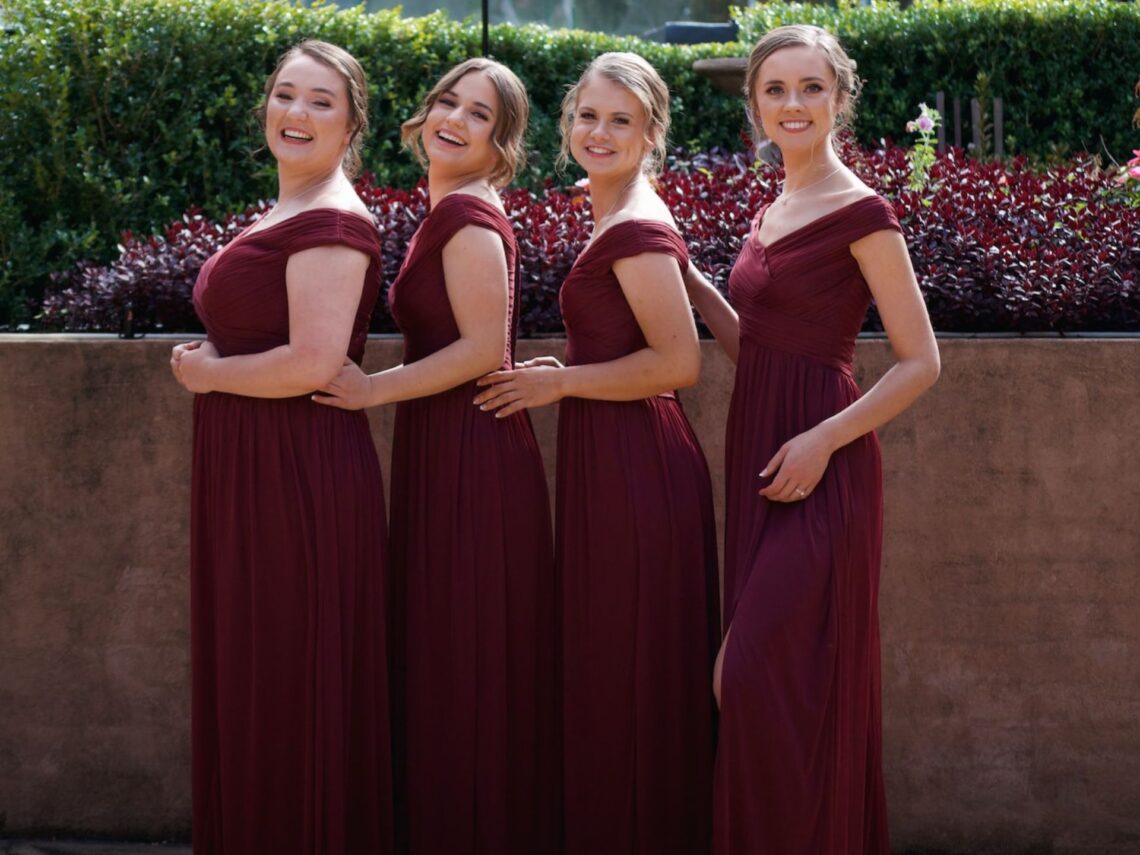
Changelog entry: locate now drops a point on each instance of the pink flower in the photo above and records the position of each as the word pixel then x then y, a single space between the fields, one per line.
pixel 925 123
pixel 1134 171
pixel 911 127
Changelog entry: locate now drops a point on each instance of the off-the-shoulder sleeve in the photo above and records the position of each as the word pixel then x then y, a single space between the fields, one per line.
pixel 458 210
pixel 634 237
pixel 331 227
pixel 867 216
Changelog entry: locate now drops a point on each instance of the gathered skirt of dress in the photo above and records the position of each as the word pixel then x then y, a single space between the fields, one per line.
pixel 474 583
pixel 636 540
pixel 800 682
pixel 290 701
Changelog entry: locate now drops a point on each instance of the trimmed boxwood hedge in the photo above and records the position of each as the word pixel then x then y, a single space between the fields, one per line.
pixel 120 114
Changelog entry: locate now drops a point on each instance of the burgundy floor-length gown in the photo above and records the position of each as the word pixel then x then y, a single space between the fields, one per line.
pixel 798 767
pixel 636 542
pixel 473 570
pixel 291 745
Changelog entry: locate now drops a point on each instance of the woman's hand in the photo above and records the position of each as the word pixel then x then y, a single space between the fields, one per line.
pixel 176 358
pixel 534 383
pixel 349 390
pixel 797 467
pixel 544 361
pixel 192 362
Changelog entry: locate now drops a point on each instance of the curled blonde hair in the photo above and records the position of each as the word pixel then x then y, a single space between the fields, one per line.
pixel 510 120
pixel 633 73
pixel 848 84
pixel 355 84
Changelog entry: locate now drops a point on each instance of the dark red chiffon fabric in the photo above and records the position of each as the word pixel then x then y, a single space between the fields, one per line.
pixel 474 587
pixel 636 543
pixel 798 766
pixel 288 561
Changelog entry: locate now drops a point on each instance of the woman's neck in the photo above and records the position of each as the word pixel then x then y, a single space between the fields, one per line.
pixel 801 169
pixel 441 184
pixel 607 197
pixel 295 188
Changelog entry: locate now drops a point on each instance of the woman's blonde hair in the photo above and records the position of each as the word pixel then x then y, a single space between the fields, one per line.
pixel 510 120
pixel 847 82
pixel 633 73
pixel 355 84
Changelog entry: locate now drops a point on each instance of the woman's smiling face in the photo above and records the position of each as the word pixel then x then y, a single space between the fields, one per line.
pixel 795 98
pixel 307 115
pixel 459 128
pixel 609 134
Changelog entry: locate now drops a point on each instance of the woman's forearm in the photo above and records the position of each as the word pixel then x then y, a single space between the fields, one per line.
pixel 715 311
pixel 283 372
pixel 451 366
pixel 719 317
pixel 641 374
pixel 896 390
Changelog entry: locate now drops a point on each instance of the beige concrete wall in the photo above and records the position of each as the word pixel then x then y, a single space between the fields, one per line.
pixel 1010 600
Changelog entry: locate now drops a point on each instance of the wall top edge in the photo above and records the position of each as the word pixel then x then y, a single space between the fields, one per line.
pixel 64 338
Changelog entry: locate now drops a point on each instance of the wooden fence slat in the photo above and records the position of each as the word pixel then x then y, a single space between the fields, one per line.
pixel 997 117
pixel 940 106
pixel 999 134
pixel 976 125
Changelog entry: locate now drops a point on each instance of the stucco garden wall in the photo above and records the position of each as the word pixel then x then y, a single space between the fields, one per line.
pixel 1010 599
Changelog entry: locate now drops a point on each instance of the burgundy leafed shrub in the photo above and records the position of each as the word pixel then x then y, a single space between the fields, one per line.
pixel 996 247
pixel 152 278
pixel 1005 248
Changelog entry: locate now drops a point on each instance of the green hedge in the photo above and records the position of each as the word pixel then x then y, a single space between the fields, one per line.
pixel 1065 69
pixel 121 114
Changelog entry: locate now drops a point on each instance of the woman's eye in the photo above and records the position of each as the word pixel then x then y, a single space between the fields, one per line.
pixel 621 120
pixel 283 96
pixel 479 115
pixel 322 103
pixel 814 88
pixel 447 102
pixel 774 90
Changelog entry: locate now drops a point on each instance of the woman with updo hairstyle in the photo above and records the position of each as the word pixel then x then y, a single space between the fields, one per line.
pixel 288 570
pixel 473 576
pixel 636 541
pixel 798 765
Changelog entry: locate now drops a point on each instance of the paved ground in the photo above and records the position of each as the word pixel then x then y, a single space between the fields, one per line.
pixel 51 847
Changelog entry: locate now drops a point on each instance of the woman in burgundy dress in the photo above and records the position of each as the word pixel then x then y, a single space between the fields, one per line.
pixel 471 543
pixel 288 553
pixel 636 540
pixel 798 766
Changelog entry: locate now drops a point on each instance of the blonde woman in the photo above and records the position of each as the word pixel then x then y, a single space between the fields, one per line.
pixel 635 532
pixel 798 760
